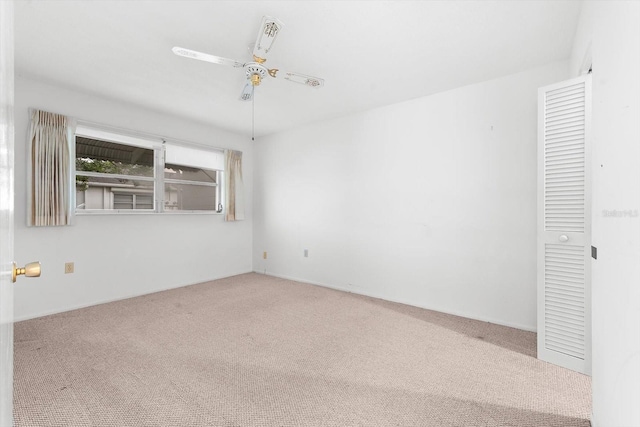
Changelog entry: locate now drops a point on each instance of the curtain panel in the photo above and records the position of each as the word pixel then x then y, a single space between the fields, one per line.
pixel 234 187
pixel 50 188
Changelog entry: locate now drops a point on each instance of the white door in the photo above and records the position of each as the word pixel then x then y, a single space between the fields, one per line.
pixel 6 213
pixel 564 224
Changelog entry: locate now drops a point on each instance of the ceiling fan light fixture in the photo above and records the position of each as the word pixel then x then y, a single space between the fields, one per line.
pixel 255 79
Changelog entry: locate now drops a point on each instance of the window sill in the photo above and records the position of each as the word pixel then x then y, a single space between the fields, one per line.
pixel 142 212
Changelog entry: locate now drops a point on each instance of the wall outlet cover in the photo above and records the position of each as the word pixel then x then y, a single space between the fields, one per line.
pixel 68 267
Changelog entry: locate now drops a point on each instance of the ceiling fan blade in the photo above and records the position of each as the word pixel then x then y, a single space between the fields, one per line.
pixel 188 53
pixel 247 92
pixel 303 79
pixel 269 30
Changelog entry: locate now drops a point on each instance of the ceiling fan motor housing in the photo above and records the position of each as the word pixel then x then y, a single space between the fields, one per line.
pixel 255 72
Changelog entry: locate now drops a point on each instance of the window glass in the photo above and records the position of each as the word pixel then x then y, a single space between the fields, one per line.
pixel 185 173
pixel 108 157
pixel 190 188
pixel 107 173
pixel 189 197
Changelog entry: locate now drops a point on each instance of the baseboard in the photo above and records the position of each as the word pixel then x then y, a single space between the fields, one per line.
pixel 400 301
pixel 107 301
pixel 296 279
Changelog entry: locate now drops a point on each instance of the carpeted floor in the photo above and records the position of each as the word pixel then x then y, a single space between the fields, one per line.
pixel 254 350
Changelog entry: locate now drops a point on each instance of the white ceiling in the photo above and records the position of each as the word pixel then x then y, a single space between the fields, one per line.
pixel 370 53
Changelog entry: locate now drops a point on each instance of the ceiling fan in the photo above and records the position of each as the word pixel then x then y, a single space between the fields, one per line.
pixel 255 70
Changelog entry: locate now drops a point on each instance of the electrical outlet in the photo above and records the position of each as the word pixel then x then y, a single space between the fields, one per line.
pixel 68 267
pixel 264 255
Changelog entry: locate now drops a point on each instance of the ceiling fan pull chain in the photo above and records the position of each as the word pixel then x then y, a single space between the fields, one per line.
pixel 253 116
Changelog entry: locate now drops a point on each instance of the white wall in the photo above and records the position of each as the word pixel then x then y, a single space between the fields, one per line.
pixel 430 202
pixel 118 256
pixel 612 29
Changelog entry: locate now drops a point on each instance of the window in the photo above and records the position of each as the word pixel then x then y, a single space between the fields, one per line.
pixel 120 173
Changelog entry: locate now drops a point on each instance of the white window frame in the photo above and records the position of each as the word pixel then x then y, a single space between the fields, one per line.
pixel 189 155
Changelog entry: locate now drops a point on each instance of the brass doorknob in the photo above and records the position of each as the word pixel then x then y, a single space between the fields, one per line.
pixel 30 270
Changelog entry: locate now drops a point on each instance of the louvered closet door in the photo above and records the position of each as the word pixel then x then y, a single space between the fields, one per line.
pixel 564 218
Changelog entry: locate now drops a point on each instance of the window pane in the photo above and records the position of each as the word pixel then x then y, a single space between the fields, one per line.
pixel 189 197
pixel 108 157
pixel 185 173
pixel 111 193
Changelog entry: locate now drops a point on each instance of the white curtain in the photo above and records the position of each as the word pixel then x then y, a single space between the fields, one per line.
pixel 234 187
pixel 51 186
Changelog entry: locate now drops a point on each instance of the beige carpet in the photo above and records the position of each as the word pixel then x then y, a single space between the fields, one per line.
pixel 254 350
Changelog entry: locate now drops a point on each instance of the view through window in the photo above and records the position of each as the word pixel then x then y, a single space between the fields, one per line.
pixel 113 176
